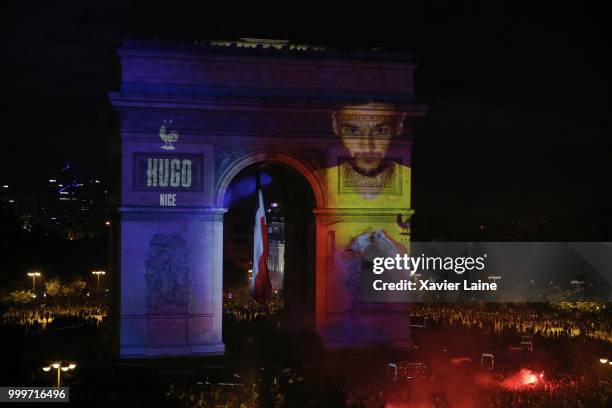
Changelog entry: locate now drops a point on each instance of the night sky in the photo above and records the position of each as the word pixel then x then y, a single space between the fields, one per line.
pixel 519 98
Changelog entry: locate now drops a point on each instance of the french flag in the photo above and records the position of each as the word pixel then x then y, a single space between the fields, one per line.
pixel 261 288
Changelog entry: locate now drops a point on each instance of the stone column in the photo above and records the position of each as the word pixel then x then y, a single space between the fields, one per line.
pixel 342 319
pixel 171 281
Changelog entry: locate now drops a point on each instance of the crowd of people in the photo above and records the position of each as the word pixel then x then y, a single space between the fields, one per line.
pixel 569 342
pixel 584 397
pixel 41 318
pixel 238 304
pixel 278 388
pixel 290 390
pixel 564 394
pixel 571 378
pixel 209 397
pixel 539 318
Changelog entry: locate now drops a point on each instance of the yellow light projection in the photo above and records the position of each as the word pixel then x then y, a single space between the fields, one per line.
pixel 369 191
pixel 368 177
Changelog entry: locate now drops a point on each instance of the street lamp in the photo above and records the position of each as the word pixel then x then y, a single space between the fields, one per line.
pixel 98 273
pixel 33 275
pixel 59 367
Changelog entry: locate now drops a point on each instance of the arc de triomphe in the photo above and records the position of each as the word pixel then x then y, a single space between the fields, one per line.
pixel 191 118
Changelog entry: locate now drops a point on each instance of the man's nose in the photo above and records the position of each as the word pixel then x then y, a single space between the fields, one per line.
pixel 368 142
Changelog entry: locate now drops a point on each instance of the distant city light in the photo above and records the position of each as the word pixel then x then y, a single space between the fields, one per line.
pixel 603 360
pixel 577 282
pixel 52 181
pixel 5 186
pixel 274 204
pixel 107 223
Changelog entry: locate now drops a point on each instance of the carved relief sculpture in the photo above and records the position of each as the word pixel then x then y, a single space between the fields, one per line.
pixel 167 274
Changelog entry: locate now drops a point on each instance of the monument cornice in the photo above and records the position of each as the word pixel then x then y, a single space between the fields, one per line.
pixel 362 212
pixel 184 213
pixel 206 71
pixel 147 100
pixel 232 120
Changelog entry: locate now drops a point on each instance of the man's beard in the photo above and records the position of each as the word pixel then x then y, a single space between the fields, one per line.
pixel 378 164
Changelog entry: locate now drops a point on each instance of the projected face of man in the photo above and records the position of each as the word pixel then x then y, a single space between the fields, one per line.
pixel 366 131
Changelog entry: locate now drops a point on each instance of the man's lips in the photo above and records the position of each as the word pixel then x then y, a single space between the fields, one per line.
pixel 368 157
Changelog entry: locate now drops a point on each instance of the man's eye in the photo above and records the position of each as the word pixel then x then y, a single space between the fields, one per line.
pixel 350 130
pixel 382 130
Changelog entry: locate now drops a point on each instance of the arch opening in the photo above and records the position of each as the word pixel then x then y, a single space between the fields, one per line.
pixel 289 200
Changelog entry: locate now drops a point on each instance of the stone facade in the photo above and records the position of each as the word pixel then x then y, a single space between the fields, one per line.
pixel 191 118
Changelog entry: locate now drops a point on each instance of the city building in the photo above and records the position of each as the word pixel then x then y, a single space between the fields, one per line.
pixel 276 242
pixel 73 208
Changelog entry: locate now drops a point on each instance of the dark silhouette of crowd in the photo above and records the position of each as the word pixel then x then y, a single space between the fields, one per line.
pixel 567 345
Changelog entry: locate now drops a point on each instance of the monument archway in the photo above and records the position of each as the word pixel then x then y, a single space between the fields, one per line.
pixel 290 201
pixel 191 118
pixel 271 157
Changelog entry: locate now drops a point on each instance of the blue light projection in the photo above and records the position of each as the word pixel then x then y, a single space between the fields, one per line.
pixel 244 187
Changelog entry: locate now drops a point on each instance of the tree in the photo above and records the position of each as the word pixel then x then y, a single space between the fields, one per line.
pixel 53 287
pixel 20 297
pixel 67 292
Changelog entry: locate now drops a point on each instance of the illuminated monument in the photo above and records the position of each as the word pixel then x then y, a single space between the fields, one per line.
pixel 335 126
